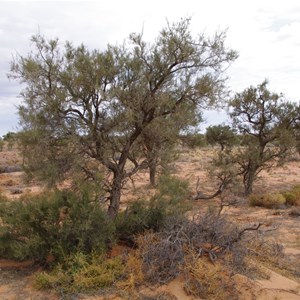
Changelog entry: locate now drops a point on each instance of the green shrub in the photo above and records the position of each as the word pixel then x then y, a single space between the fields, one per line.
pixel 1 144
pixel 290 198
pixel 53 223
pixel 150 215
pixel 256 200
pixel 194 140
pixel 295 199
pixel 80 272
pixel 274 200
pixel 173 188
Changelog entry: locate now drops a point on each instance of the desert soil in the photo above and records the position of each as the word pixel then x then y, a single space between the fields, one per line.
pixel 16 279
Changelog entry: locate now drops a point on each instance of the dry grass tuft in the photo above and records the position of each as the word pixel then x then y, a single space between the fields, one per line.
pixel 273 200
pixel 208 280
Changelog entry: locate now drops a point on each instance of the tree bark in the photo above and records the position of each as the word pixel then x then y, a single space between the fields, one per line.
pixel 248 182
pixel 152 172
pixel 115 196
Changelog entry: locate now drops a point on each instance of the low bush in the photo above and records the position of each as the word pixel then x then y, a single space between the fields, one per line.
pixel 274 200
pixel 295 212
pixel 292 197
pixel 278 199
pixel 1 144
pixel 173 189
pixel 194 140
pixel 164 253
pixel 208 281
pixel 53 223
pixel 144 215
pixel 134 273
pixel 80 273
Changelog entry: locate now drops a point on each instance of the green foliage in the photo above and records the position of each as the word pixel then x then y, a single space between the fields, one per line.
pixel 224 170
pixel 160 138
pixel 274 200
pixel 9 136
pixel 80 272
pixel 151 215
pixel 222 135
pixel 42 161
pixel 173 188
pixel 53 223
pixel 196 140
pixel 75 100
pixel 138 217
pixel 277 200
pixel 265 121
pixel 1 144
pixel 292 197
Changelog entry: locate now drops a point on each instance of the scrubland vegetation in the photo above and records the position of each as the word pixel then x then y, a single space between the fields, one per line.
pixel 96 119
pixel 162 237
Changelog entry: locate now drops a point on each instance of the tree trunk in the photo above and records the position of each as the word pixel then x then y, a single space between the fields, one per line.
pixel 152 172
pixel 248 182
pixel 115 196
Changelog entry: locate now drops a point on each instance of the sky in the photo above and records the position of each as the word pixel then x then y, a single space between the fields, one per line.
pixel 266 34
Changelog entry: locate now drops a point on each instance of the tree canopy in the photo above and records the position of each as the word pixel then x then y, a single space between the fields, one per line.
pixel 266 122
pixel 86 110
pixel 222 135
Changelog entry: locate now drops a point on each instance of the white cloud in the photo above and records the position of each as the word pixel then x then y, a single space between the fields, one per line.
pixel 266 33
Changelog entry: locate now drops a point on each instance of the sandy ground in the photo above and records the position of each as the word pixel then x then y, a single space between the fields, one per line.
pixel 16 279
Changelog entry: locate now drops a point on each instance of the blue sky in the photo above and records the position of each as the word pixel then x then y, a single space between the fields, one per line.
pixel 265 33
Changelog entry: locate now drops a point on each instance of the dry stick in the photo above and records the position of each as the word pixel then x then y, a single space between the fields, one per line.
pixel 200 196
pixel 270 229
pixel 226 204
pixel 246 229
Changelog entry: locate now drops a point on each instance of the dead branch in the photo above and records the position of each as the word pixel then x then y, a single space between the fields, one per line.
pixel 226 204
pixel 269 229
pixel 252 228
pixel 201 196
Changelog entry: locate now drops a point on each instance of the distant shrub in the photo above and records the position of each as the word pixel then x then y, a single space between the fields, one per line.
pixel 10 138
pixel 290 198
pixel 293 196
pixel 274 200
pixel 194 140
pixel 53 223
pixel 1 144
pixel 172 188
